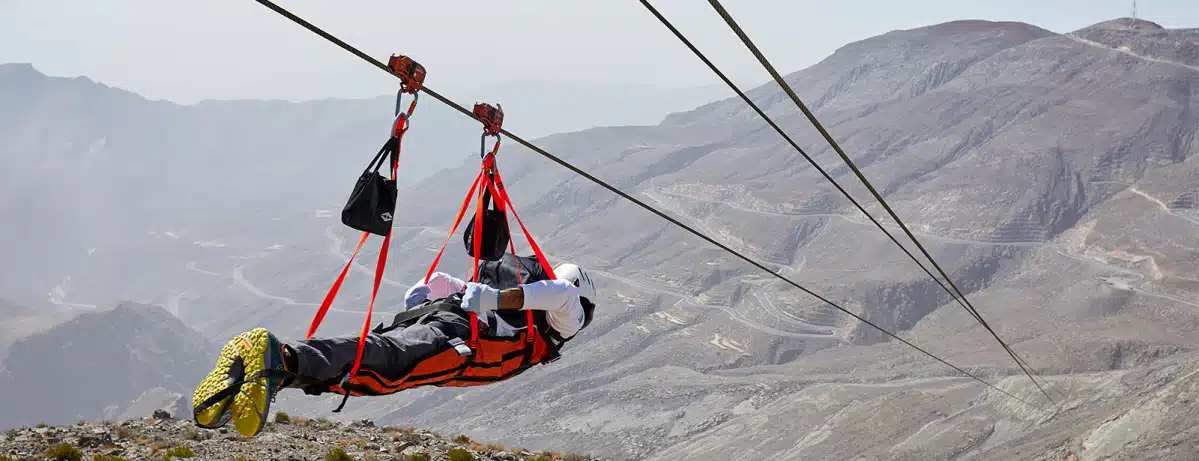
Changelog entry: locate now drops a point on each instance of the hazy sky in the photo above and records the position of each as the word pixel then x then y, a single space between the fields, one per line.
pixel 191 50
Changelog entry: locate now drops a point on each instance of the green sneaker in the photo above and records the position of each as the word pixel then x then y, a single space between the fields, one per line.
pixel 261 355
pixel 228 371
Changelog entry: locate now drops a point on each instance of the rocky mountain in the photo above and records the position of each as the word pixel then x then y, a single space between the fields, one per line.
pixel 1050 174
pixel 92 172
pixel 18 321
pixel 1053 175
pixel 128 361
pixel 95 176
pixel 163 437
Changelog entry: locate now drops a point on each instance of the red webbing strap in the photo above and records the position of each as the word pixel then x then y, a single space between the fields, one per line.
pixel 370 307
pixel 545 263
pixel 457 220
pixel 495 187
pixel 499 206
pixel 381 264
pixel 332 294
pixel 399 127
pixel 498 203
pixel 474 331
pixel 488 163
pixel 520 273
pixel 495 192
pixel 477 230
pixel 412 105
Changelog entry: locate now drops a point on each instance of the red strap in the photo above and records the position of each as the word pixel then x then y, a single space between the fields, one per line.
pixel 474 331
pixel 499 206
pixel 490 165
pixel 370 307
pixel 520 273
pixel 545 263
pixel 457 220
pixel 381 264
pixel 477 230
pixel 332 294
pixel 488 186
pixel 531 326
pixel 478 247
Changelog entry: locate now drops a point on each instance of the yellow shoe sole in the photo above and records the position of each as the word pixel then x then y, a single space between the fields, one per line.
pixel 217 380
pixel 253 402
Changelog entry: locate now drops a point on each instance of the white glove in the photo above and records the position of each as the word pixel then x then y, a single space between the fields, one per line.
pixel 416 295
pixel 480 299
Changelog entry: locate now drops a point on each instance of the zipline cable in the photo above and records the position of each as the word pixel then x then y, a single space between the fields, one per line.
pixel 778 78
pixel 424 88
pixel 957 297
pixel 969 308
pixel 770 121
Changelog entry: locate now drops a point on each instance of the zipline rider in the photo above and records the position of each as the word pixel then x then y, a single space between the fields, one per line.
pixel 427 345
pixel 516 312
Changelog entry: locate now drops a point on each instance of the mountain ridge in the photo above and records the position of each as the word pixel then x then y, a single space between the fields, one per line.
pixel 1030 163
pixel 118 354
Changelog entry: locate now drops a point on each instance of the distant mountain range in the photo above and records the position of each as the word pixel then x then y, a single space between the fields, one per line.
pixel 1053 175
pixel 100 365
pixel 144 164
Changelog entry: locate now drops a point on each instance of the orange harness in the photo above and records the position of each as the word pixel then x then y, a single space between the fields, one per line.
pixel 495 359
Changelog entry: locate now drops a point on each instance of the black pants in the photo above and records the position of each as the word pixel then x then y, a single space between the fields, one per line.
pixel 391 355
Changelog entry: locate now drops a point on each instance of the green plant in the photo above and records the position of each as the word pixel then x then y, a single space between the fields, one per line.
pixel 462 439
pixel 125 432
pixel 108 458
pixel 181 451
pixel 191 433
pixel 338 454
pixel 459 454
pixel 418 457
pixel 282 418
pixel 410 438
pixel 490 447
pixel 64 452
pixel 322 424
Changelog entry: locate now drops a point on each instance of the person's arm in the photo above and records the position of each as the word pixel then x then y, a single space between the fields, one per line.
pixel 443 285
pixel 558 298
pixel 512 299
pixel 440 285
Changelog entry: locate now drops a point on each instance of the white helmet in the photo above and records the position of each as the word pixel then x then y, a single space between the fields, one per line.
pixel 574 274
pixel 587 296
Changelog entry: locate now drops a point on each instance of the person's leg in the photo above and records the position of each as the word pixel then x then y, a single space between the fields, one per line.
pixel 326 359
pixel 253 354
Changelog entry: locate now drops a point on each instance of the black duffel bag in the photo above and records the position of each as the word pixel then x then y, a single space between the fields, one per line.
pixel 371 207
pixel 495 233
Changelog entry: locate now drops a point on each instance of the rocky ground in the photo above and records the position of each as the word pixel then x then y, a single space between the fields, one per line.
pixel 163 437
